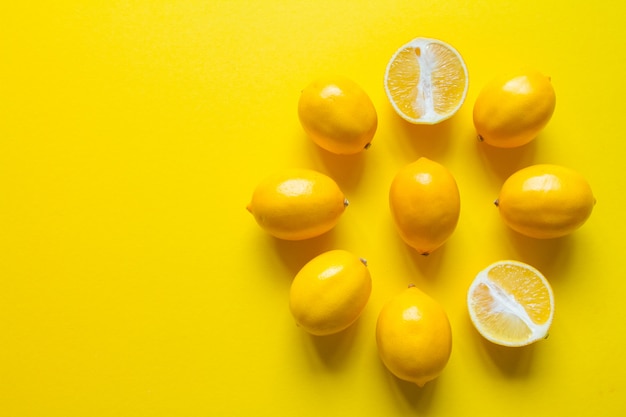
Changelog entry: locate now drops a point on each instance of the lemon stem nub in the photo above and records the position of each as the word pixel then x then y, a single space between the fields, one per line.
pixel 497 202
pixel 346 203
pixel 363 261
pixel 480 138
pixel 367 146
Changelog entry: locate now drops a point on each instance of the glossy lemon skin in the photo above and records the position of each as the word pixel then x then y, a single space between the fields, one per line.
pixel 413 336
pixel 545 201
pixel 512 109
pixel 329 293
pixel 338 115
pixel 297 204
pixel 425 204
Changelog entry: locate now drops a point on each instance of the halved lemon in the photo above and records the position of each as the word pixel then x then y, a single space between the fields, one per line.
pixel 426 81
pixel 511 303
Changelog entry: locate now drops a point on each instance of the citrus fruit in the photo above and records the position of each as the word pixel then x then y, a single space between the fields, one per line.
pixel 425 204
pixel 511 303
pixel 545 201
pixel 329 293
pixel 338 115
pixel 426 81
pixel 413 336
pixel 296 204
pixel 513 108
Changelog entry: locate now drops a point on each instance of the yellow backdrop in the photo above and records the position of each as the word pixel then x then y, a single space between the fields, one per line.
pixel 133 282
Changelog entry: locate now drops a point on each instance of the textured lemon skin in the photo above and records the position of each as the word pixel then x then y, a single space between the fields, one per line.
pixel 545 201
pixel 338 115
pixel 297 204
pixel 425 204
pixel 329 293
pixel 512 109
pixel 414 337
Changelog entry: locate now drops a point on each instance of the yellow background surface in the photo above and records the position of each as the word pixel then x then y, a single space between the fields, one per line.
pixel 133 282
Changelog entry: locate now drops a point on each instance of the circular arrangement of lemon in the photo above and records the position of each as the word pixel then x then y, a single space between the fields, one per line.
pixel 545 201
pixel 296 204
pixel 338 115
pixel 413 336
pixel 425 204
pixel 329 293
pixel 511 303
pixel 426 81
pixel 512 109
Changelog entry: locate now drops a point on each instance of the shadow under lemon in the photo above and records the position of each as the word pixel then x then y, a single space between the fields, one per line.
pixel 333 352
pixel 416 140
pixel 505 161
pixel 413 397
pixel 428 266
pixel 346 170
pixel 296 253
pixel 552 257
pixel 512 362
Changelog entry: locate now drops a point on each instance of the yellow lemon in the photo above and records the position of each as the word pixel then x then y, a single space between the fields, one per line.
pixel 545 201
pixel 511 303
pixel 513 108
pixel 425 204
pixel 297 204
pixel 338 115
pixel 426 81
pixel 329 293
pixel 413 336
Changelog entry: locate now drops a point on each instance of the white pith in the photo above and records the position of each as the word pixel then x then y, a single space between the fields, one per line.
pixel 506 303
pixel 427 62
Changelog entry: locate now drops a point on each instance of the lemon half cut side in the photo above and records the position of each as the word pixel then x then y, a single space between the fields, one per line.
pixel 511 303
pixel 426 81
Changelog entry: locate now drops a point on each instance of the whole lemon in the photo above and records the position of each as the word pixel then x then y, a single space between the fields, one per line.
pixel 338 115
pixel 413 336
pixel 425 204
pixel 513 108
pixel 296 204
pixel 545 201
pixel 329 293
